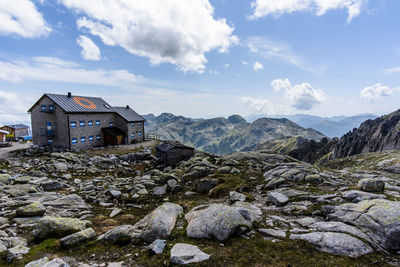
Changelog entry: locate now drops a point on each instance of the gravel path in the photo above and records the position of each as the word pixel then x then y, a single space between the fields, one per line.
pixel 4 151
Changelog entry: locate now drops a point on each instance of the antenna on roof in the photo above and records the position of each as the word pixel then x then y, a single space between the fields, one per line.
pixel 69 94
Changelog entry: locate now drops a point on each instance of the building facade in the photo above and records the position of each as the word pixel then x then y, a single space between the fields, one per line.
pixel 15 131
pixel 77 122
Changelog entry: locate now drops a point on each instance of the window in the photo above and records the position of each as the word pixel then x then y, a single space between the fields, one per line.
pixel 50 141
pixel 44 108
pixel 74 141
pixel 48 128
pixel 90 123
pixel 91 138
pixel 132 124
pixel 83 139
pixel 139 124
pixel 133 135
pixel 140 133
pixel 73 124
pixel 98 137
pixel 51 107
pixel 97 123
pixel 82 123
pixel 111 124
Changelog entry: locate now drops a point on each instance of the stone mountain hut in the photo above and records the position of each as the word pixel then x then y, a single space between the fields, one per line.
pixel 170 154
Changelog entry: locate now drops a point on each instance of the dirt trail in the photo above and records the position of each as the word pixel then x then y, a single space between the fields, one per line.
pixel 4 151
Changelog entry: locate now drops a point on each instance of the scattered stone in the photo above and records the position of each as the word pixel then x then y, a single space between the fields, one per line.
pixel 371 185
pixel 38 263
pixel 274 183
pixel 184 254
pixel 157 247
pixel 277 198
pixel 235 196
pixel 115 194
pixel 272 232
pixel 61 167
pixel 160 190
pixel 115 212
pixel 16 252
pixel 205 185
pixel 5 178
pixel 57 262
pixel 357 196
pixel 33 209
pixel 78 237
pixel 51 185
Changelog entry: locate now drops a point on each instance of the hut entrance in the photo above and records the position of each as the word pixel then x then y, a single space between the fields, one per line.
pixel 113 136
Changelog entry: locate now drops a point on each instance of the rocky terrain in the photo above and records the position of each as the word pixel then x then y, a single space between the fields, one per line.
pixel 113 207
pixel 381 134
pixel 224 136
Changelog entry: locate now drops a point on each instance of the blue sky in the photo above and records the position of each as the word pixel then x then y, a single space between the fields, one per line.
pixel 203 58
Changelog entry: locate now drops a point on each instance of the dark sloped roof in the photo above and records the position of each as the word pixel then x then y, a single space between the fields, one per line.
pixel 128 114
pixel 114 131
pixel 69 104
pixel 164 147
pixel 18 126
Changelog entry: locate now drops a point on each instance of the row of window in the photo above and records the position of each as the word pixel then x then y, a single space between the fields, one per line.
pixel 133 124
pixel 83 139
pixel 90 123
pixel 44 108
pixel 139 134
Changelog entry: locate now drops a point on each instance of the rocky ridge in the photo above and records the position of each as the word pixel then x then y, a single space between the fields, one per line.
pixel 104 208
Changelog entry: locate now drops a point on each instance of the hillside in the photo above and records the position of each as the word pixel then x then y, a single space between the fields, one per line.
pixel 224 136
pixel 335 126
pixel 381 134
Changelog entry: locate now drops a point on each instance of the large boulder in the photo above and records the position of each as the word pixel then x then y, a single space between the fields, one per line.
pixel 378 218
pixel 33 209
pixel 371 185
pixel 336 243
pixel 58 227
pixel 159 223
pixel 184 254
pixel 5 178
pixel 156 225
pixel 217 221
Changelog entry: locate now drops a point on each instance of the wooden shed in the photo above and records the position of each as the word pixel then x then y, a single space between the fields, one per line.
pixel 113 136
pixel 170 154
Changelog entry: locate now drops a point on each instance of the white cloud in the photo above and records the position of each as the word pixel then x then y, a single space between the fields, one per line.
pixel 259 105
pixel 20 17
pixel 56 70
pixel 13 107
pixel 258 66
pixel 375 92
pixel 273 50
pixel 264 8
pixel 304 97
pixel 280 84
pixel 301 96
pixel 226 66
pixel 90 51
pixel 173 31
pixel 245 62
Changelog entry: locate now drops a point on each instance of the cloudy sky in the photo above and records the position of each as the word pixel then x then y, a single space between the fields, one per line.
pixel 203 58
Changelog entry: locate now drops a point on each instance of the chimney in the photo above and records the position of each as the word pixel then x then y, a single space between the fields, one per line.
pixel 69 94
pixel 127 106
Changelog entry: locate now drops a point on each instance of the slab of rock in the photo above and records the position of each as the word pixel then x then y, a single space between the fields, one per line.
pixel 58 227
pixel 160 190
pixel 236 196
pixel 378 218
pixel 79 237
pixel 33 209
pixel 277 198
pixel 274 183
pixel 371 185
pixel 159 223
pixel 115 212
pixel 255 212
pixel 357 195
pixel 114 194
pixel 205 185
pixel 184 254
pixel 336 243
pixel 61 167
pixel 5 178
pixel 51 185
pixel 217 221
pixel 339 227
pixel 57 262
pixel 156 225
pixel 157 247
pixel 272 232
pixel 38 263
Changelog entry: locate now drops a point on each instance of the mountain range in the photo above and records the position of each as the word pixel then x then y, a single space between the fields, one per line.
pixel 335 126
pixel 224 136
